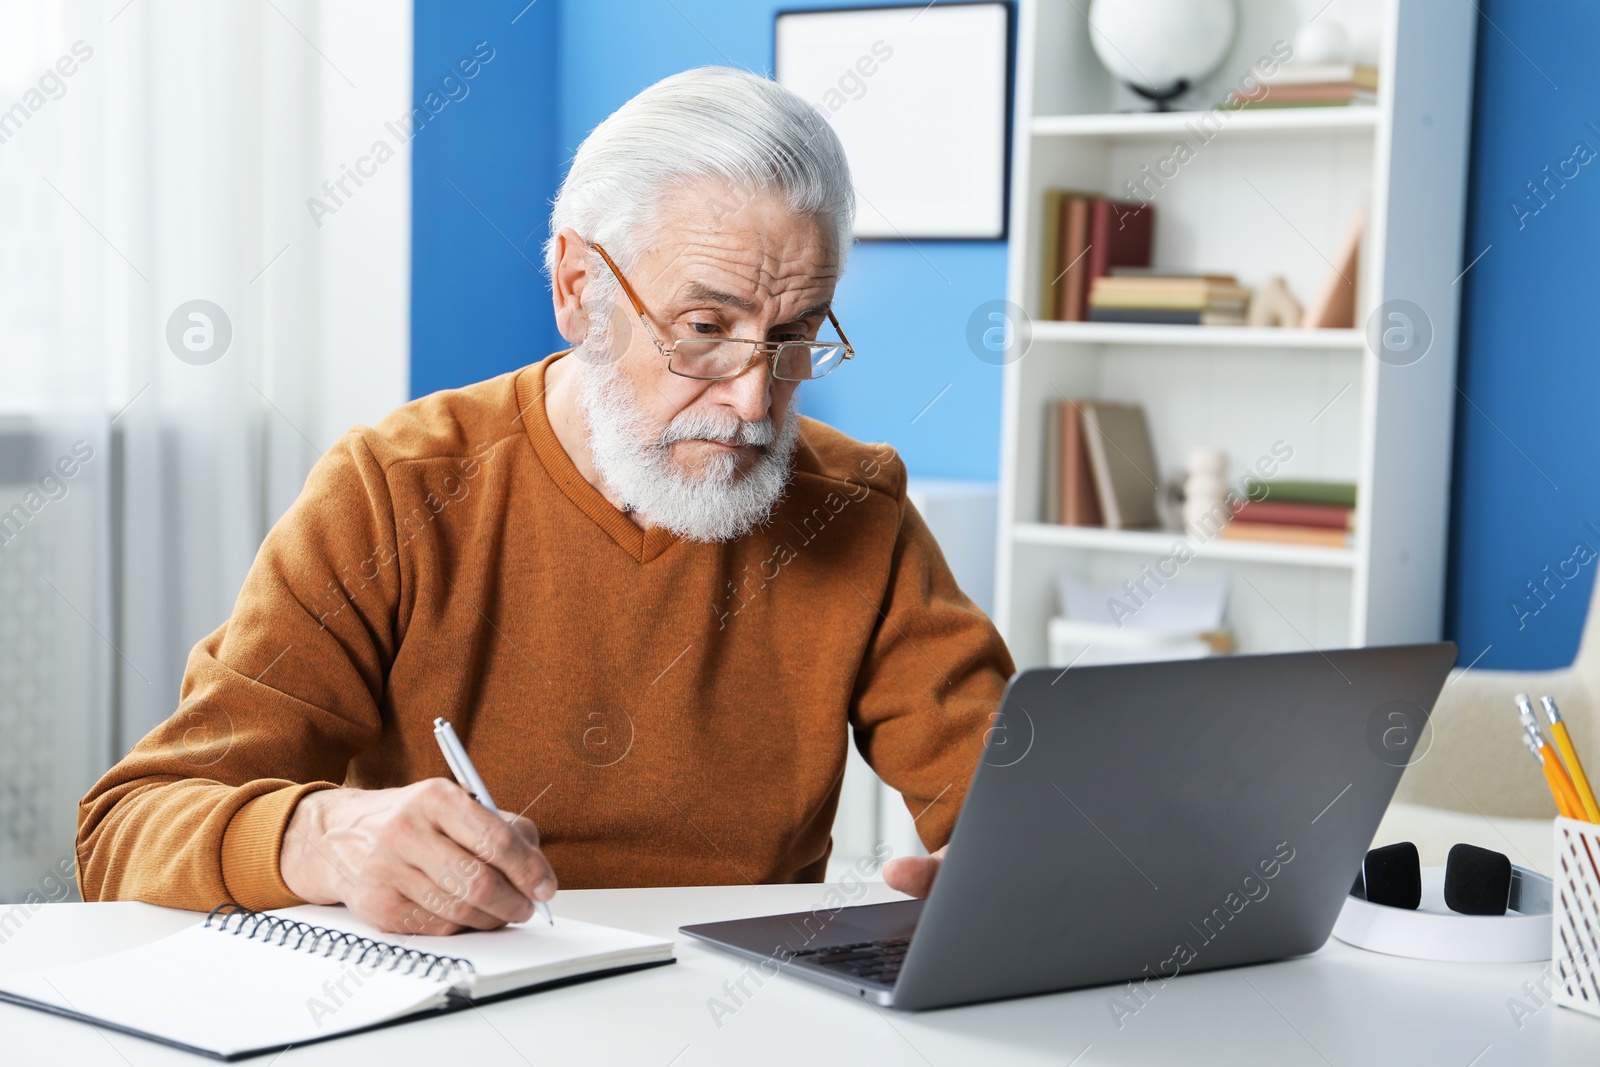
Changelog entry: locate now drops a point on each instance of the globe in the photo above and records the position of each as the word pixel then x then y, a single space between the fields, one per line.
pixel 1161 47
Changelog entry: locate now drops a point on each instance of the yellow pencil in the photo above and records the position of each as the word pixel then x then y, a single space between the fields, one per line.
pixel 1569 756
pixel 1568 806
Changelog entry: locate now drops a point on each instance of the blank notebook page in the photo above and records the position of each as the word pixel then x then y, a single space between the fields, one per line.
pixel 513 956
pixel 218 991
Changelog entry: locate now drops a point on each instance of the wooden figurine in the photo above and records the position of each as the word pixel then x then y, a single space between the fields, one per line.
pixel 1273 305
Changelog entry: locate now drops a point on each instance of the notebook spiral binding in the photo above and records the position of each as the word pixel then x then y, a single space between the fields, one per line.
pixel 363 951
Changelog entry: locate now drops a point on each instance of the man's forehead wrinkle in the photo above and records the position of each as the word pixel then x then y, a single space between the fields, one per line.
pixel 749 277
pixel 716 276
pixel 696 290
pixel 752 265
pixel 808 302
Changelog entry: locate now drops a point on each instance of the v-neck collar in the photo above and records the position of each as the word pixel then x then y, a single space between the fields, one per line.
pixel 642 545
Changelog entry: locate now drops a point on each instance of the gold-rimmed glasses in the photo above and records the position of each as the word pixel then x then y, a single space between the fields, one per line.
pixel 714 358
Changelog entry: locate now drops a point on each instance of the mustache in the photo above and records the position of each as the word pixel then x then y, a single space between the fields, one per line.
pixel 708 426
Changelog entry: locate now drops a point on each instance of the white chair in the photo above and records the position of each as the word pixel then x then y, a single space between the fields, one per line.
pixel 1476 782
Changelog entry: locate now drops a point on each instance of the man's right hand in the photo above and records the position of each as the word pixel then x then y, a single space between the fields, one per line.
pixel 421 859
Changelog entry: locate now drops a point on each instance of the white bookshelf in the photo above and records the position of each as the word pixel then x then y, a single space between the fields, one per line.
pixel 1115 333
pixel 1153 544
pixel 1165 124
pixel 1272 192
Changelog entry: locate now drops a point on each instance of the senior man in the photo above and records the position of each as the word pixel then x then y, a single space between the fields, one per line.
pixel 653 600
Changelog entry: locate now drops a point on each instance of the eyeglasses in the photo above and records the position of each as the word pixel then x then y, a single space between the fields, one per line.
pixel 714 358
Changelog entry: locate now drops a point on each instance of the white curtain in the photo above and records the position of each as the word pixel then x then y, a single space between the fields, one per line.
pixel 154 154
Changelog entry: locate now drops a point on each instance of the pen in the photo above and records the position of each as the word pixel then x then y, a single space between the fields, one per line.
pixel 467 775
pixel 1569 756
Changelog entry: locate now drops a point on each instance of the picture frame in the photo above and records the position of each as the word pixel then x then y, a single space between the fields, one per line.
pixel 914 89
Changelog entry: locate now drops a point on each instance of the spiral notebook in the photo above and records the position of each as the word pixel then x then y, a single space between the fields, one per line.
pixel 243 983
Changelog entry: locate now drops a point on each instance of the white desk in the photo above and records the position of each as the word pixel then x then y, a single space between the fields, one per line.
pixel 1339 1006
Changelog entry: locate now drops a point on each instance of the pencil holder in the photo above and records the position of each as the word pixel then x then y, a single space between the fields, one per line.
pixel 1575 933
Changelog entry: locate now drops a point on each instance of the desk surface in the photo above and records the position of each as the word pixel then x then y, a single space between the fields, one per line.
pixel 1338 1006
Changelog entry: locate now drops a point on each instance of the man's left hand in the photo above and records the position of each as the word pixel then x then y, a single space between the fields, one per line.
pixel 913 875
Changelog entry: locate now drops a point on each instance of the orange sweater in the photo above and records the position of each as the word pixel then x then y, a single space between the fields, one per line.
pixel 668 712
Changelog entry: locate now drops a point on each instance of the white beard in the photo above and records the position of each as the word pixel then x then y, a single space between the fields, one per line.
pixel 718 504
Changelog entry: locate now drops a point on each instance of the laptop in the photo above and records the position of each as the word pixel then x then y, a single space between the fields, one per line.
pixel 1136 822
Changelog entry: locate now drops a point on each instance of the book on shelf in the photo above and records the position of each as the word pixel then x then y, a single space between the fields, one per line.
pixel 1121 233
pixel 1159 291
pixel 1074 289
pixel 1282 533
pixel 1318 96
pixel 1055 260
pixel 1167 316
pixel 1358 74
pixel 1194 300
pixel 1086 236
pixel 1080 499
pixel 1123 459
pixel 1050 249
pixel 1310 85
pixel 1288 513
pixel 1163 274
pixel 1302 491
pixel 1050 486
pixel 1051 264
pixel 1069 492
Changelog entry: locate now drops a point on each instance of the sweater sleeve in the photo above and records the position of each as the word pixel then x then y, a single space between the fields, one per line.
pixel 274 704
pixel 934 674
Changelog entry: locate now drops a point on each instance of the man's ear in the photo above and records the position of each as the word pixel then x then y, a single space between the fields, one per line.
pixel 567 283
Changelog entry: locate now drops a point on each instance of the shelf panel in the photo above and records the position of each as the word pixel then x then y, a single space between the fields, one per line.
pixel 1123 333
pixel 1159 543
pixel 1165 124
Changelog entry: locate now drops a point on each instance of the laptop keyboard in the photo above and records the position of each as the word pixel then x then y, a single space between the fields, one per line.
pixel 877 962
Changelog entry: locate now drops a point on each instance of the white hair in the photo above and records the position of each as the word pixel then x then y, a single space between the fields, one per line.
pixel 706 123
pixel 721 503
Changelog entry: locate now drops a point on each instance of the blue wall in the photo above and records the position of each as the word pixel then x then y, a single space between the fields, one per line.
pixel 477 310
pixel 483 170
pixel 1526 484
pixel 1527 481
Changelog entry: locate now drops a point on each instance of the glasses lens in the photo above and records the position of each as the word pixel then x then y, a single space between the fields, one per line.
pixel 796 362
pixel 803 362
pixel 709 359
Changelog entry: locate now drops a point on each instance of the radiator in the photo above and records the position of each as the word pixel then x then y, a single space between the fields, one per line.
pixel 873 822
pixel 55 655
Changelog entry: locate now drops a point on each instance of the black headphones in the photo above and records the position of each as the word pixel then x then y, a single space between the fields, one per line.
pixel 1477 881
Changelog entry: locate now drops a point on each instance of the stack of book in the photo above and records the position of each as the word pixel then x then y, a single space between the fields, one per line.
pixel 1129 295
pixel 1087 236
pixel 1099 466
pixel 1311 85
pixel 1097 625
pixel 1296 512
